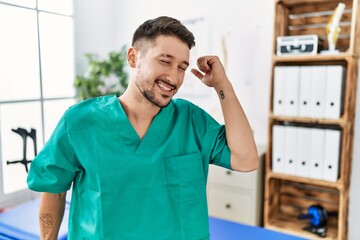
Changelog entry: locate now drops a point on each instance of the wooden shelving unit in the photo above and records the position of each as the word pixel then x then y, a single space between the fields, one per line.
pixel 287 196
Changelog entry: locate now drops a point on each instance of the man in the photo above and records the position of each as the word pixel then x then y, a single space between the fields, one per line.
pixel 139 163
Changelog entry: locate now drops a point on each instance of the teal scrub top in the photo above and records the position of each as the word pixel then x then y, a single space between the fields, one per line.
pixel 125 187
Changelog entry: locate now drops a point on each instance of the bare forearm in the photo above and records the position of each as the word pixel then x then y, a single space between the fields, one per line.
pixel 50 215
pixel 238 131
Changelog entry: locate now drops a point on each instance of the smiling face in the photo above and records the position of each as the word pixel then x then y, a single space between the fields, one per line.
pixel 158 68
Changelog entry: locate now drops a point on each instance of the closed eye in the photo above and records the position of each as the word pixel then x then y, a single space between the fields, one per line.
pixel 183 68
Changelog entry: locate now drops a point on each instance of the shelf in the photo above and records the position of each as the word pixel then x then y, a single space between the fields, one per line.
pixel 291 225
pixel 317 182
pixel 313 58
pixel 287 196
pixel 297 2
pixel 341 121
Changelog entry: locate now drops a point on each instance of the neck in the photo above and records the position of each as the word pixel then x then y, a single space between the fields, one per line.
pixel 137 107
pixel 139 112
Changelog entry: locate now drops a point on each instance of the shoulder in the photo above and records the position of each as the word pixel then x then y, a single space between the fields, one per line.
pixel 90 105
pixel 90 110
pixel 183 106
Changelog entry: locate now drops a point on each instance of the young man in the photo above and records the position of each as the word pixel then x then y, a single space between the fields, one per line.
pixel 139 163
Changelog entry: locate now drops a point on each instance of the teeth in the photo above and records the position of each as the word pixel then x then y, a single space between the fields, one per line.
pixel 164 87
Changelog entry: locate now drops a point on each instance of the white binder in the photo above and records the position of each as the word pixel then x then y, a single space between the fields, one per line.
pixel 279 90
pixel 305 91
pixel 278 149
pixel 318 91
pixel 292 91
pixel 317 153
pixel 332 155
pixel 303 152
pixel 334 89
pixel 290 145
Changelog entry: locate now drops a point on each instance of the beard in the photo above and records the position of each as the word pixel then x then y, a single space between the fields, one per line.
pixel 147 89
pixel 150 96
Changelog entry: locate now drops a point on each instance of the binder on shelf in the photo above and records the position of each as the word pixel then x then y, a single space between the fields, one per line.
pixel 317 153
pixel 303 152
pixel 279 90
pixel 290 147
pixel 334 91
pixel 292 91
pixel 331 155
pixel 318 91
pixel 305 91
pixel 278 141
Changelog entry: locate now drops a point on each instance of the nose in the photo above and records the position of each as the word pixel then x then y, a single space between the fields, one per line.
pixel 173 75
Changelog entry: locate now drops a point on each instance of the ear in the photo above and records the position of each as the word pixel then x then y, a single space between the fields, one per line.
pixel 131 57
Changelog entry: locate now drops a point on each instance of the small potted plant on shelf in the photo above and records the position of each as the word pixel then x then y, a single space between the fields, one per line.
pixel 103 77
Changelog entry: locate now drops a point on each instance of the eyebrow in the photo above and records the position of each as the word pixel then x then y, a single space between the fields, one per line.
pixel 172 57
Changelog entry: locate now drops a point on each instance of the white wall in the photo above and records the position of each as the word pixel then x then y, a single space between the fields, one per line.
pixel 249 55
pixel 104 25
pixel 133 13
pixel 95 30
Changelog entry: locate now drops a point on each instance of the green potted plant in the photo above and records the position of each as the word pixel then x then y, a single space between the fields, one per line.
pixel 103 77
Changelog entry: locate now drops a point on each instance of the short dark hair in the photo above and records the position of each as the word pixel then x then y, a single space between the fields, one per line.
pixel 163 25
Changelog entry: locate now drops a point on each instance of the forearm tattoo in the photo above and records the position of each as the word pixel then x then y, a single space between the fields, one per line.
pixel 47 224
pixel 222 95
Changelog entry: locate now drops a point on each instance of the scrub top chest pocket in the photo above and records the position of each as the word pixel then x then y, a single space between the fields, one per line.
pixel 187 190
pixel 184 169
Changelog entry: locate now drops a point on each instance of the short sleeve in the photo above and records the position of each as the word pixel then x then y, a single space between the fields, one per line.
pixel 53 169
pixel 212 138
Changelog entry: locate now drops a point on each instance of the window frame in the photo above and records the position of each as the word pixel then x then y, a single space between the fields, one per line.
pixel 14 198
